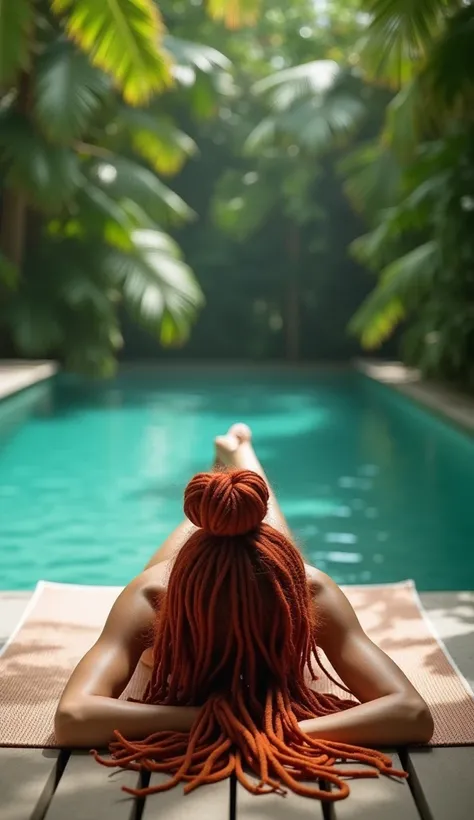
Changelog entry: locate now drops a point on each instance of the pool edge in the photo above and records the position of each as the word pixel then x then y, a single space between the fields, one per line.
pixel 17 375
pixel 448 404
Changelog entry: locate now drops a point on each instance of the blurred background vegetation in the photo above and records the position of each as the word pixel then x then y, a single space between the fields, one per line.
pixel 234 179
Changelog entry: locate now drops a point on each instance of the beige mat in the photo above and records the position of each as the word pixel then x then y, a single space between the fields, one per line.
pixel 63 621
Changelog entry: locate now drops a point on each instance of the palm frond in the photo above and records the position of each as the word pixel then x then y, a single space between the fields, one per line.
pixel 157 285
pixel 123 178
pixel 373 177
pixel 262 135
pixel 157 139
pixel 402 285
pixel 68 91
pixel 122 37
pixel 310 103
pixel 234 13
pixel 15 24
pixel 189 58
pixel 374 249
pixel 450 67
pixel 405 119
pixel 103 216
pixel 399 35
pixel 48 174
pixel 284 88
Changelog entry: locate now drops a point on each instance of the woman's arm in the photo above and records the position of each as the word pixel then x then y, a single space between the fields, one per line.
pixel 391 710
pixel 89 712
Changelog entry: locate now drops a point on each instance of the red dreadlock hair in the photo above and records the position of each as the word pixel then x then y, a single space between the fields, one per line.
pixel 234 635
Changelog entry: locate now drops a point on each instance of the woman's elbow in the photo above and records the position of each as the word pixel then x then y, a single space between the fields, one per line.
pixel 68 722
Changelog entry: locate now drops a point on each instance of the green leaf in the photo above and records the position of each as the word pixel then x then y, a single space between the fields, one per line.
pixel 405 118
pixel 374 249
pixel 402 285
pixel 16 19
pixel 373 177
pixel 157 139
pixel 189 58
pixel 48 174
pixel 286 87
pixel 234 13
pixel 399 36
pixel 102 215
pixel 122 37
pixel 157 285
pixel 450 68
pixel 68 91
pixel 313 103
pixel 125 179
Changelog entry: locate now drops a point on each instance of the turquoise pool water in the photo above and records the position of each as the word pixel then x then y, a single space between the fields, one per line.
pixel 92 474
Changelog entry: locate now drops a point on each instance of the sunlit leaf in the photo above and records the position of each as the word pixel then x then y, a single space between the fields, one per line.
pixel 68 91
pixel 125 179
pixel 122 37
pixel 234 13
pixel 16 17
pixel 286 87
pixel 157 139
pixel 194 57
pixel 156 285
pixel 402 285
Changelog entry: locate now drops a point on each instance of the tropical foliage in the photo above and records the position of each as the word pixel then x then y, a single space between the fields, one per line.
pixel 422 240
pixel 83 137
pixel 315 166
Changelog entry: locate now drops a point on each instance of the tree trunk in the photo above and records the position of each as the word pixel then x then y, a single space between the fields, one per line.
pixel 292 322
pixel 14 203
pixel 13 226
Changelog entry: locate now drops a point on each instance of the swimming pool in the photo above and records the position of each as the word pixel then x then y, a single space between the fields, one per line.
pixel 92 473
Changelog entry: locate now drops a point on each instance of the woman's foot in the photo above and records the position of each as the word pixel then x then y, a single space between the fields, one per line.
pixel 235 449
pixel 225 449
pixel 242 432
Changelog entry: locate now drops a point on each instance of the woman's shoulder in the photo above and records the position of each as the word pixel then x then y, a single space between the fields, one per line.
pixel 151 584
pixel 317 580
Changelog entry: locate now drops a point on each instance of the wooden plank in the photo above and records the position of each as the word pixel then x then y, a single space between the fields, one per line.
pixel 207 802
pixel 377 798
pixel 276 807
pixel 27 779
pixel 88 791
pixel 443 781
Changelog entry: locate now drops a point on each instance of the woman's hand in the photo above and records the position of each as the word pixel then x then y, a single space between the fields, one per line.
pixel 392 719
pixel 92 720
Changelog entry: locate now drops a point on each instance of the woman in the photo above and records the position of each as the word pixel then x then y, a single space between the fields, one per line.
pixel 238 619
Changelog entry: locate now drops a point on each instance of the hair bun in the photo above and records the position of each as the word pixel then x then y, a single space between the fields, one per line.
pixel 232 503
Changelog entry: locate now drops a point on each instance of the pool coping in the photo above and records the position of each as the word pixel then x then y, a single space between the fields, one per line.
pixel 447 402
pixel 18 374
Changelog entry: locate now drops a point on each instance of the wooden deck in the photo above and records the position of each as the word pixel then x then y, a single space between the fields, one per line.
pixel 38 783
